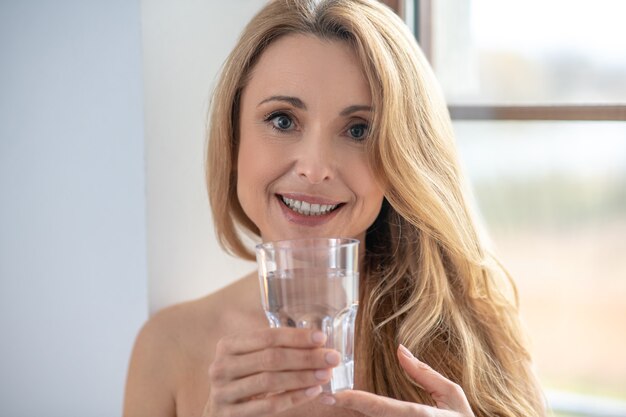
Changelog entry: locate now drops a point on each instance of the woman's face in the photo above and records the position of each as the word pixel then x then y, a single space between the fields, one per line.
pixel 302 168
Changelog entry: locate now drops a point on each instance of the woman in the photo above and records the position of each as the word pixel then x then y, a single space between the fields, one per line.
pixel 327 122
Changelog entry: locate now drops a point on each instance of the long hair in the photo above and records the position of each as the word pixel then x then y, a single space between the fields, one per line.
pixel 429 281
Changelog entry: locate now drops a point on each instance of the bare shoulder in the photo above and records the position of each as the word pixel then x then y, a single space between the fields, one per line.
pixel 176 345
pixel 198 325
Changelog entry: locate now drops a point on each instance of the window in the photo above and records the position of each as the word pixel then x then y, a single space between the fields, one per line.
pixel 537 93
pixel 553 195
pixel 556 59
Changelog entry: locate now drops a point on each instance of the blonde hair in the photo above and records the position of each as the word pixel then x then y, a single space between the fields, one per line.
pixel 429 283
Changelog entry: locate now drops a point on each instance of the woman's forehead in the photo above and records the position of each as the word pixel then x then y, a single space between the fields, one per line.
pixel 305 65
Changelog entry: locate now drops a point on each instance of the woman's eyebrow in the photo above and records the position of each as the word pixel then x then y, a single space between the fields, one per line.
pixel 297 103
pixel 353 109
pixel 294 101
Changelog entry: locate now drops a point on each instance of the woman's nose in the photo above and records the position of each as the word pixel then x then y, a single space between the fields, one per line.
pixel 314 161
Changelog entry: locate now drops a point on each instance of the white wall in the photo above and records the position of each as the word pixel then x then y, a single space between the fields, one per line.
pixel 72 212
pixel 77 248
pixel 184 44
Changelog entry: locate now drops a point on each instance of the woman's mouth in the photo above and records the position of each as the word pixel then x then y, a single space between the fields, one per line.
pixel 308 209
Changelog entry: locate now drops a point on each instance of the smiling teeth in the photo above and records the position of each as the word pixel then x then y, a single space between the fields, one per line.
pixel 308 209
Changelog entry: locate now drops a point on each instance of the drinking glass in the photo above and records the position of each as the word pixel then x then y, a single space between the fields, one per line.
pixel 314 283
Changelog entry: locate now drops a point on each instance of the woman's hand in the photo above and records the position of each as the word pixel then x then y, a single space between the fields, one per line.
pixel 449 397
pixel 268 371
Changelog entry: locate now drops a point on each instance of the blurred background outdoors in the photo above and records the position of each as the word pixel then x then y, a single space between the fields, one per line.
pixel 552 193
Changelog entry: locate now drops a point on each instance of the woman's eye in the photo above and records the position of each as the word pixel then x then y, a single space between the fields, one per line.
pixel 358 131
pixel 281 121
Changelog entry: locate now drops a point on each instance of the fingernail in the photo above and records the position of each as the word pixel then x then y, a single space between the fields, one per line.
pixel 332 358
pixel 327 400
pixel 322 374
pixel 406 352
pixel 313 391
pixel 318 337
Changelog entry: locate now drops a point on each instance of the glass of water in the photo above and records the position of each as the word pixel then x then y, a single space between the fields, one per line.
pixel 314 283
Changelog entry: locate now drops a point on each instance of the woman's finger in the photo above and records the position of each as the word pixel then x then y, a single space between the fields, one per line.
pixel 447 394
pixel 274 404
pixel 279 359
pixel 241 343
pixel 269 383
pixel 377 406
